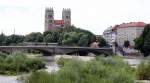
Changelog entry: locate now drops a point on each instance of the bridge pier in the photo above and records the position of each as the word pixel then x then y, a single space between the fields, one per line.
pixel 47 54
pixel 50 53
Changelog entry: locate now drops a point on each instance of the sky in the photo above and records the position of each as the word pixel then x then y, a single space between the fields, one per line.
pixel 26 16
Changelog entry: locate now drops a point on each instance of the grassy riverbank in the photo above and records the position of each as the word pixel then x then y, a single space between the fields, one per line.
pixel 19 63
pixel 99 70
pixel 143 70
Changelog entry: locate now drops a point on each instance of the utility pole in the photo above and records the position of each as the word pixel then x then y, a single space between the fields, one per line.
pixel 1 43
pixel 14 31
pixel 1 31
pixel 13 36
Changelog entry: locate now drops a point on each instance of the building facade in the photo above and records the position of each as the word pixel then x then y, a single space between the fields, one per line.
pixel 52 24
pixel 109 35
pixel 129 32
pixel 124 32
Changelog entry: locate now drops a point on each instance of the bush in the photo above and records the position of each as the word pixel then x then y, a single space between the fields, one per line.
pixel 18 63
pixel 143 70
pixel 62 61
pixel 3 55
pixel 40 77
pixel 102 70
pixel 35 64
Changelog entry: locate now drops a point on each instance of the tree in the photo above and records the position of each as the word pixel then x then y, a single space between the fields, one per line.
pixel 46 33
pixel 60 39
pixel 34 37
pixel 69 29
pixel 39 37
pixel 70 38
pixel 138 43
pixel 146 45
pixel 14 39
pixel 2 39
pixel 102 41
pixel 48 38
pixel 141 43
pixel 83 41
pixel 53 37
pixel 126 44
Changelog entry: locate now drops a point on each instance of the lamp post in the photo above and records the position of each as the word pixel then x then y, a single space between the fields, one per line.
pixel 115 43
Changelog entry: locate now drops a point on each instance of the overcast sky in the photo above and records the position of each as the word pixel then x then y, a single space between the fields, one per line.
pixel 95 15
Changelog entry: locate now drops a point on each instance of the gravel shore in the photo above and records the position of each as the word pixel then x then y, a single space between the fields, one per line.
pixel 8 79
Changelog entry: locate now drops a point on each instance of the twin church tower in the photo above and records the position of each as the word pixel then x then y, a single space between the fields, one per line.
pixel 52 24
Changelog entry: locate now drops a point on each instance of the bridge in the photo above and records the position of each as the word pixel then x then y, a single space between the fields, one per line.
pixel 52 50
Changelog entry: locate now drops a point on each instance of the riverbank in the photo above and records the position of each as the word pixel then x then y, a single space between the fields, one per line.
pixel 53 67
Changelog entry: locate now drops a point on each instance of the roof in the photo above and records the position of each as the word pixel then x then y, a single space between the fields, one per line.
pixel 131 24
pixel 59 22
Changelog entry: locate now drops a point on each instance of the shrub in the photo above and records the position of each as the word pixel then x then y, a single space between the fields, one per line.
pixel 143 70
pixel 18 63
pixel 102 70
pixel 40 77
pixel 3 55
pixel 34 64
pixel 62 61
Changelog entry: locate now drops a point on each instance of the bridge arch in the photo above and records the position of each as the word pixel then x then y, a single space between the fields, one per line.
pixel 86 52
pixel 46 52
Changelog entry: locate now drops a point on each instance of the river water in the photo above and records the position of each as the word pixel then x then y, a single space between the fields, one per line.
pixel 53 67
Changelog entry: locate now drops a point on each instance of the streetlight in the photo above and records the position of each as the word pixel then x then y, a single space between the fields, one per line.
pixel 115 42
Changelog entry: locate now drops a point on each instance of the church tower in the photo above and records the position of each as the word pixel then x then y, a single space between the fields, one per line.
pixel 49 19
pixel 66 16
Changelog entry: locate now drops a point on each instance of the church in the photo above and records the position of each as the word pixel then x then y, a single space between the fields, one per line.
pixel 52 24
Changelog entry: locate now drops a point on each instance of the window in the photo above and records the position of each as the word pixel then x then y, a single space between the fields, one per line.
pixel 67 17
pixel 50 16
pixel 50 21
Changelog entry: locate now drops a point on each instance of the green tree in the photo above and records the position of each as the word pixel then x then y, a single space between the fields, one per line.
pixel 126 43
pixel 141 43
pixel 46 33
pixel 34 37
pixel 39 37
pixel 2 39
pixel 102 41
pixel 70 38
pixel 14 39
pixel 71 35
pixel 146 45
pixel 51 37
pixel 48 38
pixel 69 29
pixel 138 43
pixel 83 41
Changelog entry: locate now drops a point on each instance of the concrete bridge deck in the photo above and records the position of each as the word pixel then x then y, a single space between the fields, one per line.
pixel 59 49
